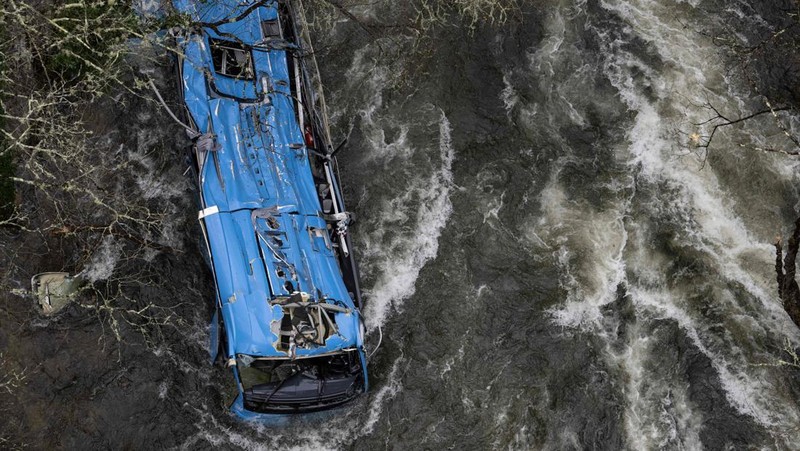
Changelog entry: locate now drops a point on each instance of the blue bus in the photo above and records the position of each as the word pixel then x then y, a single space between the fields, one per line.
pixel 288 306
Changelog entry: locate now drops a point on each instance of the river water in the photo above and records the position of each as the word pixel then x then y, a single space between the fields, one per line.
pixel 550 266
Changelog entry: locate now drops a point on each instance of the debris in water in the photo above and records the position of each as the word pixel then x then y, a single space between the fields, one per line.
pixel 55 290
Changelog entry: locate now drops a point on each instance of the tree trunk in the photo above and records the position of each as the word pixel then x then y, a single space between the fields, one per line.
pixel 786 267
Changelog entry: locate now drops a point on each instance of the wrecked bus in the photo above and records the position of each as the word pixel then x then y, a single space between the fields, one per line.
pixel 287 318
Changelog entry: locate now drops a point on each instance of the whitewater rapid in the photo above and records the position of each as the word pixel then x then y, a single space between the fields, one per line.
pixel 647 267
pixel 551 262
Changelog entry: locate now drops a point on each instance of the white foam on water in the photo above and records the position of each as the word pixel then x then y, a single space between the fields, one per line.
pixel 493 208
pixel 338 432
pixel 104 260
pixel 167 186
pixel 163 389
pixel 402 234
pixel 500 422
pixel 715 229
pixel 509 95
pixel 367 80
pixel 599 249
pixel 599 237
pixel 151 184
pixel 747 387
pixel 377 400
pixel 658 412
pixel 548 53
pixel 399 254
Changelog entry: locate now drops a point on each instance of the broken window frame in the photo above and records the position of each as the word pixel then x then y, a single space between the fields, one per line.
pixel 267 31
pixel 227 50
pixel 311 384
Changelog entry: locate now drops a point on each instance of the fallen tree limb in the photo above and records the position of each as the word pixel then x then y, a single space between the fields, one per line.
pixel 786 268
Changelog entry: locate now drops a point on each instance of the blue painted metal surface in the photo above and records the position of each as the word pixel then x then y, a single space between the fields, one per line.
pixel 260 192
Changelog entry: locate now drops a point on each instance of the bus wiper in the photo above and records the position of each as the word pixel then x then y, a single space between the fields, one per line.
pixel 280 384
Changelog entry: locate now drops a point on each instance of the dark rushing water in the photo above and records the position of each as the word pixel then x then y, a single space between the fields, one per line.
pixel 550 268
